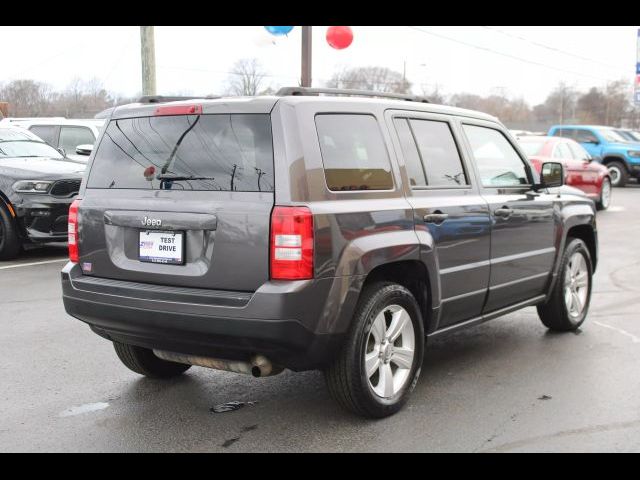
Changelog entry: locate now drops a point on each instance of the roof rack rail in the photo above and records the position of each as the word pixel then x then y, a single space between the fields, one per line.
pixel 164 99
pixel 307 91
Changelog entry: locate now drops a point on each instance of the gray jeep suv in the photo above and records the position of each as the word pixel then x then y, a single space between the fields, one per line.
pixel 310 230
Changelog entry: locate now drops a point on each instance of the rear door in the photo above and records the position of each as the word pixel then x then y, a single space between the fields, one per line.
pixel 181 200
pixel 448 210
pixel 524 226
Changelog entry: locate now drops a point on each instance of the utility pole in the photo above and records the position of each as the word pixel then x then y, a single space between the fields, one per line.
pixel 306 57
pixel 148 55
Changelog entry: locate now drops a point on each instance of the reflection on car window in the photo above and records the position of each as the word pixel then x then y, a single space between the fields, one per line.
pixel 353 152
pixel 207 152
pixel 498 162
pixel 27 148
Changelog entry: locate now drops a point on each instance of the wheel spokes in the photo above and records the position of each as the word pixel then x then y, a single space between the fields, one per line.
pixel 385 381
pixel 379 328
pixel 403 357
pixel 398 321
pixel 372 362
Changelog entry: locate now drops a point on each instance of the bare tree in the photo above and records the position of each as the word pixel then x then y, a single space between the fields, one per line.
pixel 246 78
pixel 26 98
pixel 379 79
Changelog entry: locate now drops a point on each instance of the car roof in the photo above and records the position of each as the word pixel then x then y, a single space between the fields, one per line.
pixel 265 104
pixel 585 126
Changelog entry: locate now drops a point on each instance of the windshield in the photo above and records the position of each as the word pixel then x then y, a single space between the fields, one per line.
pixel 611 135
pixel 27 148
pixel 628 136
pixel 186 152
pixel 532 148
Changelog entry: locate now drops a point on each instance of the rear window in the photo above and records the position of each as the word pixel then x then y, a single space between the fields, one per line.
pixel 353 152
pixel 227 152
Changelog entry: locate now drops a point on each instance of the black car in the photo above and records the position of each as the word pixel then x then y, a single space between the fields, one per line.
pixel 317 232
pixel 37 186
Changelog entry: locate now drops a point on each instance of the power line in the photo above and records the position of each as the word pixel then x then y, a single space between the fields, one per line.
pixel 513 57
pixel 549 47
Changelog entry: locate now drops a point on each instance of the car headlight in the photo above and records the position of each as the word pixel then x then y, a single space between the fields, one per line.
pixel 32 186
pixel 634 153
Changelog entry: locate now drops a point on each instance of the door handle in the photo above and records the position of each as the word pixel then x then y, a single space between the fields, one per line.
pixel 436 218
pixel 504 212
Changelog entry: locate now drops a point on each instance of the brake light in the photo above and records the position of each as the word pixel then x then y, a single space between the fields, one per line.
pixel 179 110
pixel 291 243
pixel 73 232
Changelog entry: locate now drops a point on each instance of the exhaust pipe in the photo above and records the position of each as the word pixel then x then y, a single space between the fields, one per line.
pixel 258 365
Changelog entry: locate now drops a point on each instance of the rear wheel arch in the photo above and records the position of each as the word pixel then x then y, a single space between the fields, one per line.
pixel 587 235
pixel 411 274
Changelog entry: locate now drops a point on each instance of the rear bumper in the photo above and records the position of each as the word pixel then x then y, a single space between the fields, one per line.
pixel 291 323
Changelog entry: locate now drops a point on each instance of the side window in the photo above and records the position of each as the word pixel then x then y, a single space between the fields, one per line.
pixel 498 162
pixel 46 133
pixel 71 137
pixel 415 169
pixel 439 153
pixel 562 151
pixel 565 132
pixel 585 136
pixel 353 152
pixel 578 152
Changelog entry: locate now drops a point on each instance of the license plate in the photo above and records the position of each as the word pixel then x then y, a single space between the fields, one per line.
pixel 161 247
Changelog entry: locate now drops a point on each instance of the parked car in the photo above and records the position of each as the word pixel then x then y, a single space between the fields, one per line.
pixel 37 186
pixel 579 168
pixel 66 135
pixel 317 232
pixel 628 134
pixel 621 157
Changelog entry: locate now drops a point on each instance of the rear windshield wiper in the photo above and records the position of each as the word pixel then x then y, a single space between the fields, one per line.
pixel 167 177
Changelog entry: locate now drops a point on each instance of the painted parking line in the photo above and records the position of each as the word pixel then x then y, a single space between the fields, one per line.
pixel 18 265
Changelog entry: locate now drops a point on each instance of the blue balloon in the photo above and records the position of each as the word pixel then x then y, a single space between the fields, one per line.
pixel 278 30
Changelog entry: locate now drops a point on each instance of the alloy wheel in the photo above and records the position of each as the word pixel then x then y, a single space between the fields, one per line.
pixel 390 351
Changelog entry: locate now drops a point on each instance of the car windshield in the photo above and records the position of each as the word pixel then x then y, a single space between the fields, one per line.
pixel 532 148
pixel 628 136
pixel 27 148
pixel 611 135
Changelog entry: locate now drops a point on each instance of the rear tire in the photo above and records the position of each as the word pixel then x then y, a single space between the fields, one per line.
pixel 386 338
pixel 143 361
pixel 605 195
pixel 568 303
pixel 10 244
pixel 618 173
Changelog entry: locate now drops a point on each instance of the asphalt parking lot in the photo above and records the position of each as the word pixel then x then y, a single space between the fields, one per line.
pixel 507 385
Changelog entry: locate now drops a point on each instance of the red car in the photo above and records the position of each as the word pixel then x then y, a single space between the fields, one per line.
pixel 580 170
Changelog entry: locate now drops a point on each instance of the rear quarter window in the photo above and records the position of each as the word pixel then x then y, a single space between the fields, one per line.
pixel 353 152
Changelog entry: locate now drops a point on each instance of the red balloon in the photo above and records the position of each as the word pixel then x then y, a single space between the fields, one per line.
pixel 339 37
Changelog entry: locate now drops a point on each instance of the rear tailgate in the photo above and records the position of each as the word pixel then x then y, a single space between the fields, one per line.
pixel 181 200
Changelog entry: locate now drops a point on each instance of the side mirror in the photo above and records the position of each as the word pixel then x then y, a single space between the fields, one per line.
pixel 84 149
pixel 551 175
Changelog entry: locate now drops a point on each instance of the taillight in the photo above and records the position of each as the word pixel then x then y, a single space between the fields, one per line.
pixel 73 232
pixel 291 243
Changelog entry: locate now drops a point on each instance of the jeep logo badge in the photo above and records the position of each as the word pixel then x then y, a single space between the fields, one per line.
pixel 151 222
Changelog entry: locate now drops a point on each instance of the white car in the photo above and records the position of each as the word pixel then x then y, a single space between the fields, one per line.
pixel 63 134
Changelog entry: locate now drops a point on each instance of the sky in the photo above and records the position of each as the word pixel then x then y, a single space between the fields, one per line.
pixel 525 62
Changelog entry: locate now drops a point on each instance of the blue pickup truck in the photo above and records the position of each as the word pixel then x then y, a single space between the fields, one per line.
pixel 621 156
